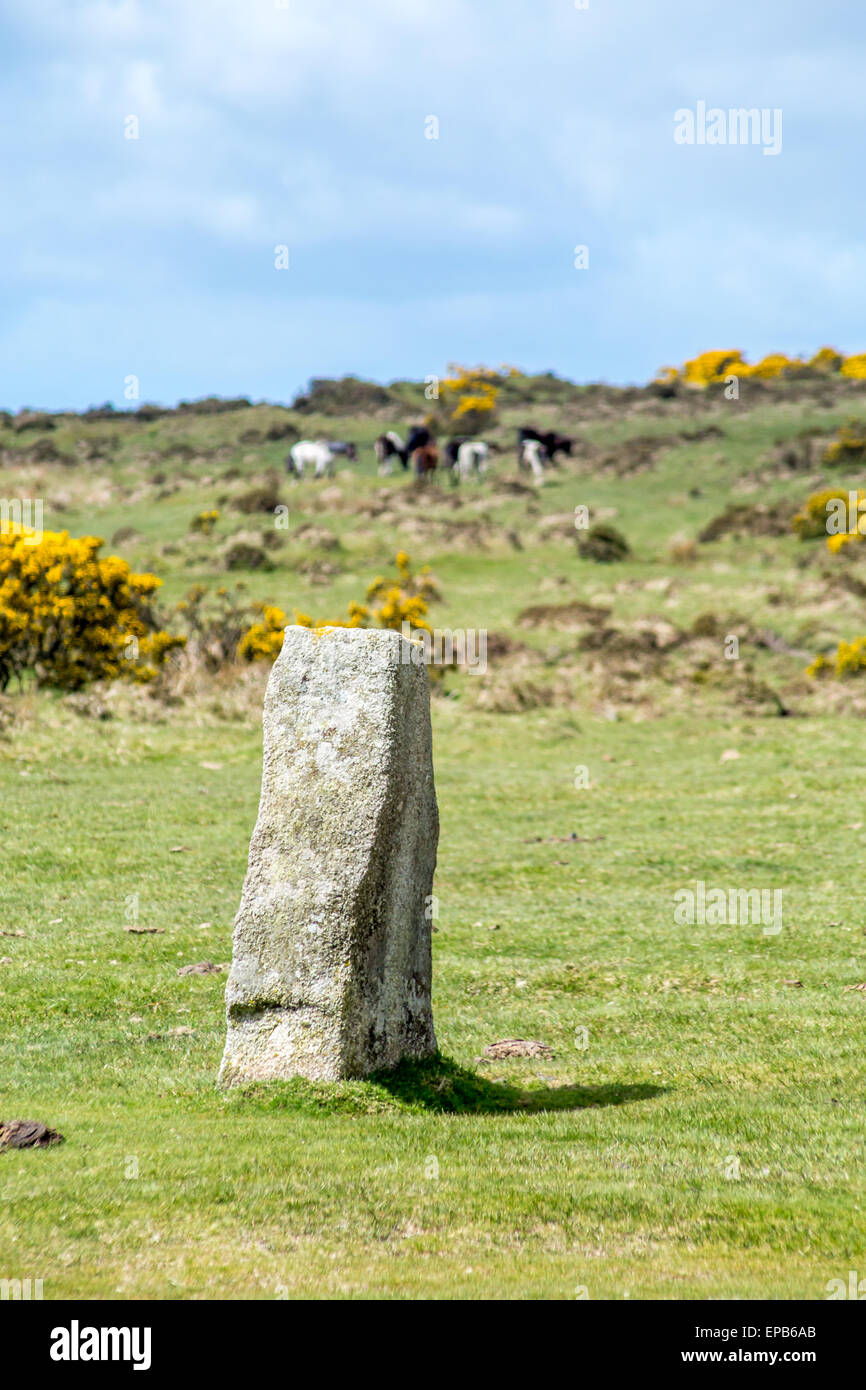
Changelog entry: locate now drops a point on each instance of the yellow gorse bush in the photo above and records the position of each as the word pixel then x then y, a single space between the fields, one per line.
pixel 71 617
pixel 711 367
pixel 854 366
pixel 827 359
pixel 841 540
pixel 468 396
pixel 851 657
pixel 849 447
pixel 391 602
pixel 811 520
pixel 264 640
pixel 849 660
pixel 204 522
pixel 838 512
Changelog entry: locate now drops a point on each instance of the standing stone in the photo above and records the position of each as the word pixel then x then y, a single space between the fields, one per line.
pixel 331 963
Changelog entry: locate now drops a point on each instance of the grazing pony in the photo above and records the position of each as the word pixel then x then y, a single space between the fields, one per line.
pixel 452 447
pixel 342 449
pixel 534 455
pixel 419 438
pixel 388 447
pixel 450 452
pixel 553 443
pixel 317 455
pixel 425 459
pixel 471 458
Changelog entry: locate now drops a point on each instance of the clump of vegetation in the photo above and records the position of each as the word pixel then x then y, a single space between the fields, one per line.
pixel 702 370
pixel 849 446
pixel 282 429
pixel 69 617
pixel 849 660
pixel 798 455
pixel 244 555
pixel 709 368
pixel 603 543
pixel 44 450
pixel 348 396
pixel 401 598
pixel 828 360
pixel 263 497
pixel 204 522
pixel 682 550
pixel 390 602
pixel 854 367
pixel 811 521
pixel 468 399
pixel 213 405
pixel 124 534
pixel 33 420
pixel 744 519
pixel 263 639
pixel 215 623
pixel 842 540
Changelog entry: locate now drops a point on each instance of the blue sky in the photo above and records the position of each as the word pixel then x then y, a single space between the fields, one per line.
pixel 304 126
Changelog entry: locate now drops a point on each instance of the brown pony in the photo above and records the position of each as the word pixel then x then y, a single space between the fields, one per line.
pixel 426 458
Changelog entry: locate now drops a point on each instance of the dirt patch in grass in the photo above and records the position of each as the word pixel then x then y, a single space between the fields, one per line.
pixel 744 519
pixel 564 617
pixel 316 537
pixel 27 1134
pixel 500 645
pixel 516 1047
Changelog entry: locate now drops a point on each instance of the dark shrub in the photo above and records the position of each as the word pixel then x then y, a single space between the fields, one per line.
pixel 213 405
pixel 603 543
pixel 347 396
pixel 32 420
pixel 242 555
pixel 263 497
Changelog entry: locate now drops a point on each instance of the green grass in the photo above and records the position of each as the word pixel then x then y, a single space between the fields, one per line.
pixel 605 1167
pixel 602 1167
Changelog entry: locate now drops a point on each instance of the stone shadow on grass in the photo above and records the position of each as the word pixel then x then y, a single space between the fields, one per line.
pixel 441 1084
pixel 436 1085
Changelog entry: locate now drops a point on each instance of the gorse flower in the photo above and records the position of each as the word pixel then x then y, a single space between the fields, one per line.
pixel 70 617
pixel 838 542
pixel 263 641
pixel 849 660
pixel 468 397
pixel 849 447
pixel 711 367
pixel 390 603
pixel 817 515
pixel 204 522
pixel 854 366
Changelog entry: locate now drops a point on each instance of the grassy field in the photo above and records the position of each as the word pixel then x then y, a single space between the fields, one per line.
pixel 697 1132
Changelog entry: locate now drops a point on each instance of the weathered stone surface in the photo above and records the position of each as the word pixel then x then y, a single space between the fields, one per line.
pixel 331 963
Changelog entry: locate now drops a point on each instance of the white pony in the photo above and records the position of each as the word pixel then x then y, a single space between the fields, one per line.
pixel 309 453
pixel 471 457
pixel 534 456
